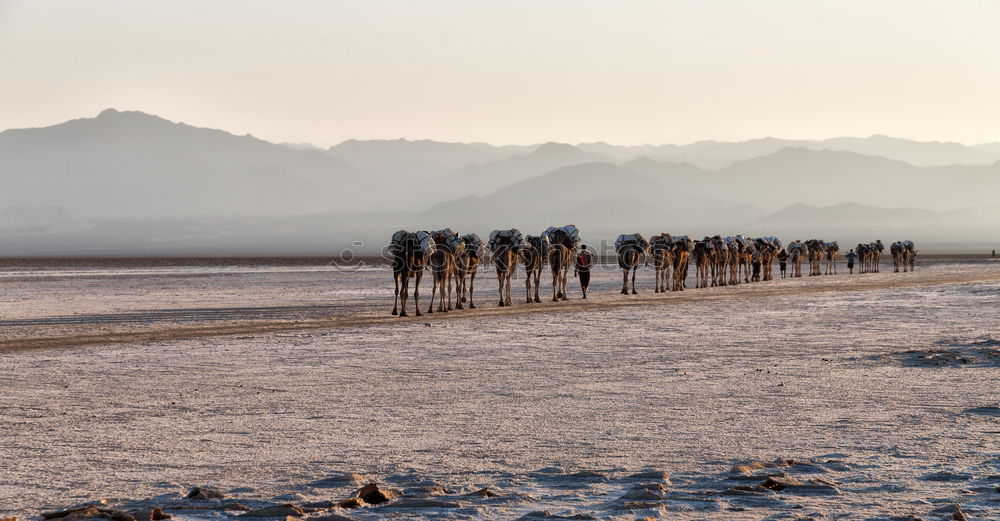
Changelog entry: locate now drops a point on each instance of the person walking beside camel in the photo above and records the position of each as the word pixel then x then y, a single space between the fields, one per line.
pixel 581 269
pixel 850 260
pixel 783 261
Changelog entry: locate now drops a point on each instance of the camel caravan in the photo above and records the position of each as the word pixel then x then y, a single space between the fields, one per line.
pixel 454 259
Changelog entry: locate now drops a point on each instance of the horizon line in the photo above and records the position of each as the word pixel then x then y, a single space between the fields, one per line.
pixel 498 145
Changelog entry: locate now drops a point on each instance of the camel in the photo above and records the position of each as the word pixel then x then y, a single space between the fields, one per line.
pixel 473 253
pixel 902 255
pixel 504 245
pixel 745 252
pixel 870 255
pixel 720 260
pixel 815 255
pixel 662 250
pixel 563 243
pixel 409 251
pixel 877 249
pixel 683 245
pixel 797 252
pixel 864 256
pixel 533 255
pixel 768 248
pixel 704 259
pixel 559 258
pixel 630 248
pixel 897 251
pixel 911 253
pixel 832 250
pixel 749 254
pixel 443 267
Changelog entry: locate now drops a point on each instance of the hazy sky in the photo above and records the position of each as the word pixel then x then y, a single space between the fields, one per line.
pixel 512 72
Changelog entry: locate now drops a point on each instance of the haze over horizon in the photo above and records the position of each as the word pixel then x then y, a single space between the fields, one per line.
pixel 518 73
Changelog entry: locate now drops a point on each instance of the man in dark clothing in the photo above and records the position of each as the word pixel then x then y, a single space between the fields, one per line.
pixel 850 260
pixel 783 261
pixel 584 260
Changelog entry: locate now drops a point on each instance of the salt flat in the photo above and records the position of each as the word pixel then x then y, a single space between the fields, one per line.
pixel 884 386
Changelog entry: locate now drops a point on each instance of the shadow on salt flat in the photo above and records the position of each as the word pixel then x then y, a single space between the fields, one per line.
pixel 978 353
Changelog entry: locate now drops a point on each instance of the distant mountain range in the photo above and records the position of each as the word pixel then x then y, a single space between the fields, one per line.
pixel 132 180
pixel 123 164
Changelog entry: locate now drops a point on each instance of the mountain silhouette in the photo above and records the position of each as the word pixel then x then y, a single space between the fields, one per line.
pixel 134 164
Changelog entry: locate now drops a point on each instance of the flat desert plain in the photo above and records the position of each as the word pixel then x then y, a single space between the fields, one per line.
pixel 869 396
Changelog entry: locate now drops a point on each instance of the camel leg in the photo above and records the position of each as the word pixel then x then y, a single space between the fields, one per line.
pixel 555 286
pixel 395 300
pixel 442 304
pixel 404 289
pixel 416 292
pixel 434 285
pixel 510 278
pixel 500 282
pixel 624 281
pixel 634 292
pixel 447 294
pixel 472 289
pixel 527 287
pixel 538 283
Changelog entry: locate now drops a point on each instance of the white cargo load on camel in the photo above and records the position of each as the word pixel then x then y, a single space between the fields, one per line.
pixel 568 236
pixel 422 239
pixel 474 245
pixel 447 239
pixel 632 239
pixel 511 237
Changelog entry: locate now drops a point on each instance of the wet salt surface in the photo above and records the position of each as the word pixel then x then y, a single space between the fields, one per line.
pixel 553 411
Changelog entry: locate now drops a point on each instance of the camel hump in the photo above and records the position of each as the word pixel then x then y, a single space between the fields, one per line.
pixel 568 236
pixel 511 237
pixel 631 240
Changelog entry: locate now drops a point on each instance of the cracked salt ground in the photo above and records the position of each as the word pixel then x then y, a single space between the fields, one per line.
pixel 556 423
pixel 817 488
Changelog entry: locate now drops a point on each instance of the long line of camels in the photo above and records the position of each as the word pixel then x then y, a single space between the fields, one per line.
pixel 453 260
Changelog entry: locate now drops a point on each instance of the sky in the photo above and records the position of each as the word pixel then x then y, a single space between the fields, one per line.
pixel 512 71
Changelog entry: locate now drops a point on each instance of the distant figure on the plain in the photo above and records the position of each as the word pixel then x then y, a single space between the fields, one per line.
pixel 850 260
pixel 584 260
pixel 994 255
pixel 783 261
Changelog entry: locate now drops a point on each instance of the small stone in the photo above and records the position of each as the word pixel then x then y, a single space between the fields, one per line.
pixel 373 495
pixel 204 493
pixel 339 479
pixel 651 474
pixel 354 502
pixel 150 514
pixel 432 490
pixel 483 492
pixel 642 495
pixel 287 509
pixel 85 512
pixel 747 468
pixel 780 483
pixel 655 487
